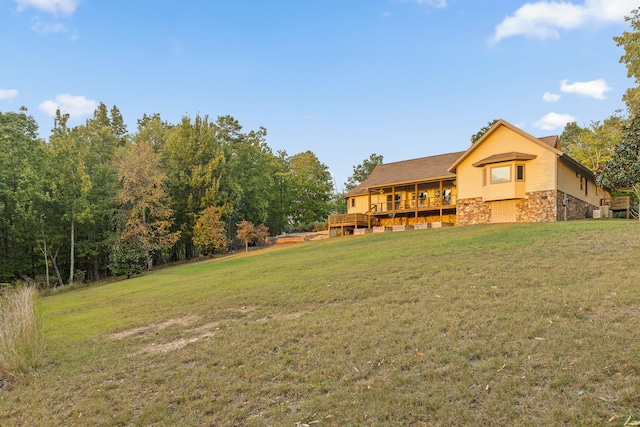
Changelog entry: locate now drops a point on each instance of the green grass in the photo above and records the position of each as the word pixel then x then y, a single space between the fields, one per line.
pixel 528 324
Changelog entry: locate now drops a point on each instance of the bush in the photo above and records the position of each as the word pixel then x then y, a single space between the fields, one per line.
pixel 127 257
pixel 20 336
pixel 320 225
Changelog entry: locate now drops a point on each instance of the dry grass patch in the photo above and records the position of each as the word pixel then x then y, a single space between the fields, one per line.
pixel 20 335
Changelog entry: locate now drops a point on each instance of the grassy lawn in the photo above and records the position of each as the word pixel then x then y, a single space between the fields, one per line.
pixel 518 324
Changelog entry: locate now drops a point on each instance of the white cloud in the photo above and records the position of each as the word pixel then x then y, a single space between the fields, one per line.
pixel 553 121
pixel 545 19
pixel 44 28
pixel 440 4
pixel 8 93
pixel 55 7
pixel 551 97
pixel 75 106
pixel 593 89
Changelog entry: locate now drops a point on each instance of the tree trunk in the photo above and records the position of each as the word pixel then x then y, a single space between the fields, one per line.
pixel 96 265
pixel 72 254
pixel 55 266
pixel 46 261
pixel 44 252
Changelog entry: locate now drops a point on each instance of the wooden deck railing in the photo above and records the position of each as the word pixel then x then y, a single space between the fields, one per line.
pixel 616 202
pixel 348 219
pixel 412 204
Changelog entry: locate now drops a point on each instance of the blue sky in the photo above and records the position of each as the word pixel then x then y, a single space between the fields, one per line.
pixel 344 79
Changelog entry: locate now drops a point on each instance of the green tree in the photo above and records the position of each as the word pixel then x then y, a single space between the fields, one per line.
pixel 252 175
pixel 282 195
pixel 21 161
pixel 622 172
pixel 593 145
pixel 362 171
pixel 153 130
pixel 312 187
pixel 630 41
pixel 71 183
pixel 194 159
pixel 104 134
pixel 476 136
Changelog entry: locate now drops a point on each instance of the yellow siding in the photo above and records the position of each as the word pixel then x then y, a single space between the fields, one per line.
pixel 569 183
pixel 362 202
pixel 540 173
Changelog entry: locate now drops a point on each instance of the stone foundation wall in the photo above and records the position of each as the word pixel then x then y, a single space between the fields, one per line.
pixel 472 211
pixel 576 208
pixel 540 206
pixel 412 220
pixel 537 207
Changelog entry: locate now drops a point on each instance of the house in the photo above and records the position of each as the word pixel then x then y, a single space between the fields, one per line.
pixel 506 176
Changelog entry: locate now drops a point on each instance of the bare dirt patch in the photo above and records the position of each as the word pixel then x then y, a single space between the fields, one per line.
pixel 154 327
pixel 189 335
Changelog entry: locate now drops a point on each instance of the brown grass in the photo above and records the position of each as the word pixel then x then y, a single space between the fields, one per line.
pixel 20 336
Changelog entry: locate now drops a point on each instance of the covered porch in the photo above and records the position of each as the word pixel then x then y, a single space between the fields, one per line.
pixel 413 203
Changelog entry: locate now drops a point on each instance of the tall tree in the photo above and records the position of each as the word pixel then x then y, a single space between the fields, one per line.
pixel 595 144
pixel 195 161
pixel 104 134
pixel 362 171
pixel 282 195
pixel 21 158
pixel 143 200
pixel 630 40
pixel 71 183
pixel 622 172
pixel 153 130
pixel 312 186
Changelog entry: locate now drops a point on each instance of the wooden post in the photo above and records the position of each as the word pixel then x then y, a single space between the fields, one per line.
pixel 415 201
pixel 369 221
pixel 441 200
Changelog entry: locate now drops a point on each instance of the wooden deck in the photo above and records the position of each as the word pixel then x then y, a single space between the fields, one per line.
pixel 347 222
pixel 617 204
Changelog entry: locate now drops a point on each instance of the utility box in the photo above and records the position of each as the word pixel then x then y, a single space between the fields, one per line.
pixel 597 213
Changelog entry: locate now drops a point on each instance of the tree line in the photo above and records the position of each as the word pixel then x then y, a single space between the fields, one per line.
pixel 95 200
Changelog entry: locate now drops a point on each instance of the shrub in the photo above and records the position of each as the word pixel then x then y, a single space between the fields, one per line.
pixel 20 336
pixel 320 225
pixel 128 257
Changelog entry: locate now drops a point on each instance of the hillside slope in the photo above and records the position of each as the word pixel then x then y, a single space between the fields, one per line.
pixel 485 325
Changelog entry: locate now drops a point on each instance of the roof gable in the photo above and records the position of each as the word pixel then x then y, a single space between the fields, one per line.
pixel 550 142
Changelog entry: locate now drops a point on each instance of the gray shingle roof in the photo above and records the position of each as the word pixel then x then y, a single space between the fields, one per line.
pixel 408 171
